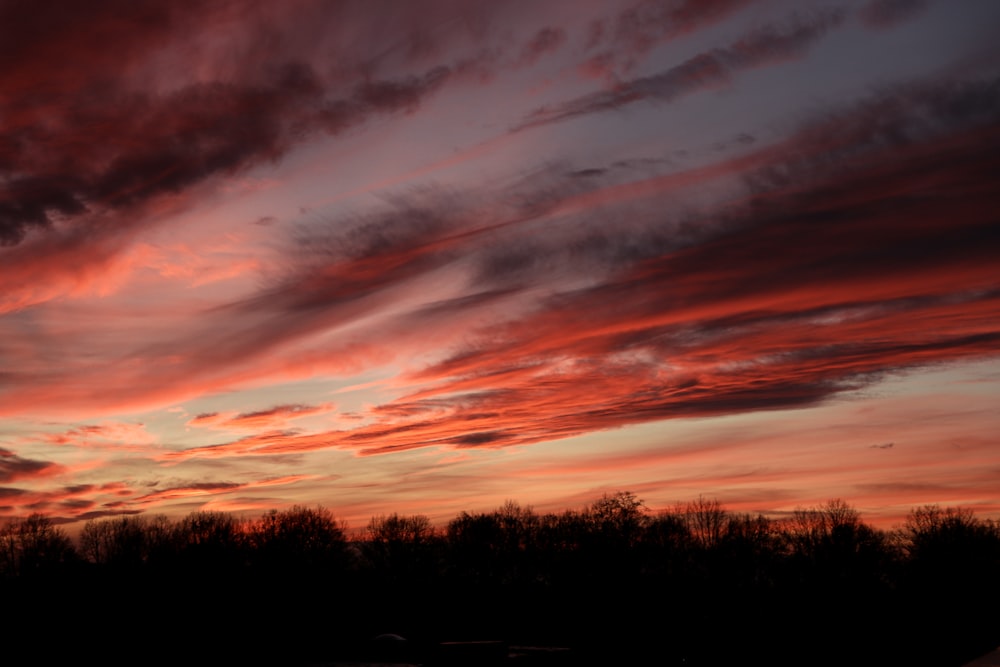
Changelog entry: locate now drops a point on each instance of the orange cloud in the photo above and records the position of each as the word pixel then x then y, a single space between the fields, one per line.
pixel 212 489
pixel 116 436
pixel 270 419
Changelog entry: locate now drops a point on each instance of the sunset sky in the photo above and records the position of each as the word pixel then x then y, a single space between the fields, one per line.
pixel 426 256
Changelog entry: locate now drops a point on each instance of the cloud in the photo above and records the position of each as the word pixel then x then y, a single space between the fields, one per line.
pixel 470 288
pixel 116 436
pixel 86 501
pixel 770 44
pixel 974 489
pixel 14 467
pixel 114 118
pixel 102 514
pixel 882 14
pixel 634 31
pixel 835 269
pixel 153 100
pixel 152 106
pixel 545 41
pixel 825 268
pixel 270 419
pixel 199 489
pixel 853 193
pixel 62 264
pixel 227 128
pixel 74 500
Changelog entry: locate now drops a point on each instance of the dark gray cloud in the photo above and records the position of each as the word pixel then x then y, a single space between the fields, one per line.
pixel 98 514
pixel 889 13
pixel 107 107
pixel 545 41
pixel 153 145
pixel 769 44
pixel 13 467
pixel 635 30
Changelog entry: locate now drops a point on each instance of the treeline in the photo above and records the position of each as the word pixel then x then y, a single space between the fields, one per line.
pixel 696 585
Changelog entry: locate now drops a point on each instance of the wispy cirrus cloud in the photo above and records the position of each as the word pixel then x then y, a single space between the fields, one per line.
pixel 200 489
pixel 798 188
pixel 883 14
pixel 726 319
pixel 227 127
pixel 624 39
pixel 88 501
pixel 270 419
pixel 97 133
pixel 76 500
pixel 767 45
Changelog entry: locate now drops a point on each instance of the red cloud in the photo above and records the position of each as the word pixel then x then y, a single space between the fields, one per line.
pixel 820 284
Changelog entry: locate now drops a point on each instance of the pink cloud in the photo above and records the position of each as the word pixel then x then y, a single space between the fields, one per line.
pixel 115 436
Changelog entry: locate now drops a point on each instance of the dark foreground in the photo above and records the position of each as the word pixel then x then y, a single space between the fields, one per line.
pixel 611 585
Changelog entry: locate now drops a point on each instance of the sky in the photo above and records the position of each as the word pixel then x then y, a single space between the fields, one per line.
pixel 424 257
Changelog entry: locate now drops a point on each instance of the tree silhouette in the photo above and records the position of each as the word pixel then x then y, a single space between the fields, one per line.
pixel 33 546
pixel 698 570
pixel 620 515
pixel 125 542
pixel 297 538
pixel 706 520
pixel 396 529
pixel 953 555
pixel 399 544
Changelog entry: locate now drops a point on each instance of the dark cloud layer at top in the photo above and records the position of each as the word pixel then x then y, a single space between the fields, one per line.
pixel 163 144
pixel 107 105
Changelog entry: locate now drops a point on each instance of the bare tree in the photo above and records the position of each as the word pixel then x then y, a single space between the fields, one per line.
pixel 298 536
pixel 124 540
pixel 706 519
pixel 33 544
pixel 396 529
